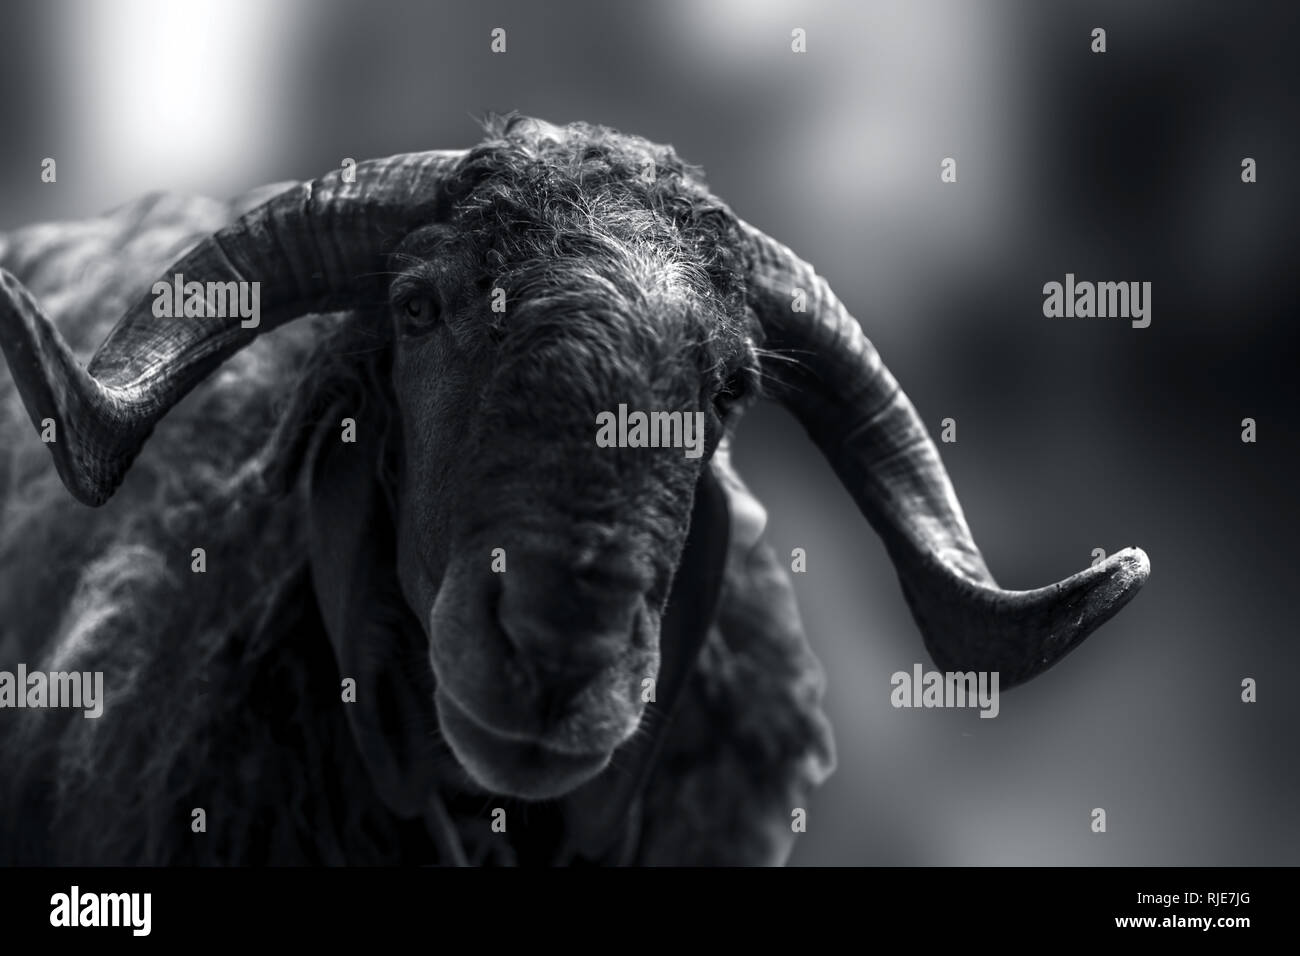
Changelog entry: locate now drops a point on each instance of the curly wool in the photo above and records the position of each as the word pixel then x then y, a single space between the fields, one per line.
pixel 538 205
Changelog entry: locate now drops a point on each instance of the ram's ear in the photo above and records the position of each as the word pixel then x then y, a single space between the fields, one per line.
pixel 377 641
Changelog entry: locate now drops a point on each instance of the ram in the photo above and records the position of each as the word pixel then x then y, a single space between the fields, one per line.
pixel 374 593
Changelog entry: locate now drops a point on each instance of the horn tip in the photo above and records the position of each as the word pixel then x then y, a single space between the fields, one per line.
pixel 1127 570
pixel 55 388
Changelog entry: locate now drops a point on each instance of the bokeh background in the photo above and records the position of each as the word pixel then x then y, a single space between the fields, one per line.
pixel 1072 434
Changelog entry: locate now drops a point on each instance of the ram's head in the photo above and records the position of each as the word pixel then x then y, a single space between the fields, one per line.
pixel 523 289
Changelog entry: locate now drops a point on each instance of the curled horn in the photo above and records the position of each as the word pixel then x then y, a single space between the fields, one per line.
pixel 313 246
pixel 856 413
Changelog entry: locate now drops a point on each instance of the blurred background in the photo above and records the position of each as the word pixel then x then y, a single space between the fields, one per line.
pixel 1073 434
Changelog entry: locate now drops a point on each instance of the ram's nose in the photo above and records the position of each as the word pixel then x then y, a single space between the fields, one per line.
pixel 567 623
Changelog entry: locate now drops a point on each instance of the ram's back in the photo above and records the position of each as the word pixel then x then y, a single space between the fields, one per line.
pixel 191 662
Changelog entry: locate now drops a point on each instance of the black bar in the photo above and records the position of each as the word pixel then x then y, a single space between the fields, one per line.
pixel 234 906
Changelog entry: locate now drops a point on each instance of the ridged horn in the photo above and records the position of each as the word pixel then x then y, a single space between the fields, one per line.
pixel 312 248
pixel 832 379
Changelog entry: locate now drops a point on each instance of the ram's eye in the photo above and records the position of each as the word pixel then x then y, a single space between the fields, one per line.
pixel 416 312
